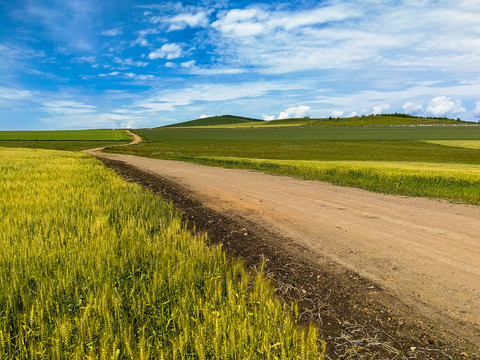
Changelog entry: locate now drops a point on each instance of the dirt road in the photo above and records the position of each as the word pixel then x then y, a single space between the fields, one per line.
pixel 424 252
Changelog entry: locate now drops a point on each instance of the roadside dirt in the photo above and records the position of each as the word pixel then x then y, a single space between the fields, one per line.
pixel 383 276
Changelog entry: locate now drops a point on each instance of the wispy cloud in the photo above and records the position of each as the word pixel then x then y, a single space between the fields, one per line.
pixel 112 32
pixel 13 94
pixel 168 100
pixel 67 107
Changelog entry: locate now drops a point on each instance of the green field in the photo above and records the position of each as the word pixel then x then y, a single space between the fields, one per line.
pixel 62 145
pixel 365 157
pixel 73 140
pixel 466 144
pixel 65 135
pixel 92 267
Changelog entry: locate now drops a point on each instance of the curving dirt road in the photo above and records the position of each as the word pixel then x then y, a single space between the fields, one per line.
pixel 426 253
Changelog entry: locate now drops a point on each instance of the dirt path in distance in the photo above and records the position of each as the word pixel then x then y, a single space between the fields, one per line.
pixel 424 254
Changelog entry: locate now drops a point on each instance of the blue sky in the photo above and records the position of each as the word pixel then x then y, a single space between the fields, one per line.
pixel 76 64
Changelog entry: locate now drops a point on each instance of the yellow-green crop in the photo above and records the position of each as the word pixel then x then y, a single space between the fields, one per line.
pixel 94 268
pixel 467 144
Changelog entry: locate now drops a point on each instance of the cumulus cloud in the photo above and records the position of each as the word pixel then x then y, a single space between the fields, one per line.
pixel 182 21
pixel 443 105
pixel 167 51
pixel 352 114
pixel 412 108
pixel 381 109
pixel 476 111
pixel 337 113
pixel 268 117
pixel 295 112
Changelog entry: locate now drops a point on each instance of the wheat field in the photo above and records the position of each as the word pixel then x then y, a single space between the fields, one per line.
pixel 92 267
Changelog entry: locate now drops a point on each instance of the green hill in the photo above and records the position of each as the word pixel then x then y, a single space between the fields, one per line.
pixel 367 120
pixel 231 121
pixel 216 121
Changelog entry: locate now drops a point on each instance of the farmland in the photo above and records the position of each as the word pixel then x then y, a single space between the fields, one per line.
pixel 433 161
pixel 73 140
pixel 65 135
pixel 93 267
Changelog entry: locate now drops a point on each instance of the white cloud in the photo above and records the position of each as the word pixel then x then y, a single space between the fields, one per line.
pixel 77 120
pixel 112 32
pixel 67 107
pixel 316 16
pixel 113 73
pixel 170 64
pixel 352 114
pixel 381 109
pixel 195 70
pixel 203 116
pixel 240 23
pixel 268 117
pixel 182 21
pixel 142 37
pixel 130 62
pixel 12 94
pixel 412 108
pixel 295 112
pixel 348 35
pixel 170 99
pixel 442 105
pixel 167 51
pixel 476 111
pixel 188 64
pixel 337 113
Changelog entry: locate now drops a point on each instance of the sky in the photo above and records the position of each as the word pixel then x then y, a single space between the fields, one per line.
pixel 80 64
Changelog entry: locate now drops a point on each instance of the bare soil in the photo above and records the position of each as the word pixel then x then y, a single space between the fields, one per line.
pixel 382 276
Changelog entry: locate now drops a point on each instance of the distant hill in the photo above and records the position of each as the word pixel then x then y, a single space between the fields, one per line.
pixel 216 120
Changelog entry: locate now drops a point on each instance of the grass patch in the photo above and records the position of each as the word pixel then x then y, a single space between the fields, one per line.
pixel 93 267
pixel 307 150
pixel 65 135
pixel 282 134
pixel 466 144
pixel 62 144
